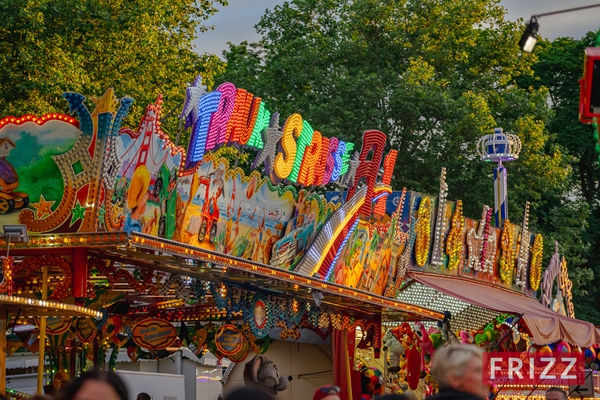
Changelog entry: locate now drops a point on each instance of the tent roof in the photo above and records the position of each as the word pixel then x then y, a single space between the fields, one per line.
pixel 545 325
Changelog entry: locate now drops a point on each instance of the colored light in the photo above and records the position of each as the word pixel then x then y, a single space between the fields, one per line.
pixel 338 229
pixel 217 131
pixel 320 166
pixel 373 142
pixel 243 117
pixel 39 120
pixel 388 171
pixel 284 161
pixel 337 161
pixel 306 176
pixel 339 251
pixel 330 161
pixel 263 119
pixel 304 141
pixel 207 106
pixel 346 157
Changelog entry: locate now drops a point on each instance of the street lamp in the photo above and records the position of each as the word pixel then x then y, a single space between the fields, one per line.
pixel 529 37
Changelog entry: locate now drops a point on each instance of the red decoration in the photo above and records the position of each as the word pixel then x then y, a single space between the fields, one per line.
pixel 589 97
pixel 39 120
pixel 413 368
pixel 7 284
pixel 37 263
pixel 388 172
pixel 114 275
pixel 80 273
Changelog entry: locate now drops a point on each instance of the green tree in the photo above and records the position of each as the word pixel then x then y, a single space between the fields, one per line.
pixel 559 68
pixel 26 152
pixel 435 77
pixel 139 47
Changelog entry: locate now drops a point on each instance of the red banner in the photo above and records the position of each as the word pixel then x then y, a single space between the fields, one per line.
pixel 551 368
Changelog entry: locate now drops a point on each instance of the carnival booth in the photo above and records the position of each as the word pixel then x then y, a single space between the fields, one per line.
pixel 180 247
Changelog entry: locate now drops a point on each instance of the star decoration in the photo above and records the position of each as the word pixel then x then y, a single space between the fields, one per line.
pixel 105 104
pixel 189 113
pixel 348 178
pixel 271 137
pixel 77 213
pixel 43 207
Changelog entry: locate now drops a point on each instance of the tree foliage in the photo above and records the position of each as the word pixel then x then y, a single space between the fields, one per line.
pixel 559 68
pixel 139 47
pixel 435 77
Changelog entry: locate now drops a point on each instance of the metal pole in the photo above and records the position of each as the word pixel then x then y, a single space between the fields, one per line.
pixel 500 195
pixel 3 352
pixel 178 363
pixel 42 338
pixel 567 10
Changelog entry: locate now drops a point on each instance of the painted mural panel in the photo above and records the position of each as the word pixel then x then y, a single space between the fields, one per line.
pixel 28 174
pixel 145 190
pixel 350 266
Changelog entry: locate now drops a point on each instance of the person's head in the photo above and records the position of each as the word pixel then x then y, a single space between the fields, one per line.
pixel 555 393
pixel 61 380
pixel 460 367
pixel 143 396
pixel 395 397
pixel 248 394
pixel 96 385
pixel 137 194
pixel 327 392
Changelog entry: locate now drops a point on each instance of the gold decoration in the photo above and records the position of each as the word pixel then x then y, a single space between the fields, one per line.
pixel 454 243
pixel 535 270
pixel 524 249
pixel 566 286
pixel 423 231
pixel 507 258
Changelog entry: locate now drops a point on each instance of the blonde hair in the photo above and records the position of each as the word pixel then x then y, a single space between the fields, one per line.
pixel 452 360
pixel 138 186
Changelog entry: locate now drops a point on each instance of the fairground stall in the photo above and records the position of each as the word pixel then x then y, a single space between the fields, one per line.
pixel 180 247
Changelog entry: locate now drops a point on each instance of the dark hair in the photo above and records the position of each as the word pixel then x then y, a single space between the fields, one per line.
pixel 248 394
pixel 392 397
pixel 96 375
pixel 557 389
pixel 143 396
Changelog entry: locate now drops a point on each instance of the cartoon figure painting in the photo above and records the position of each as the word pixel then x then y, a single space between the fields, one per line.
pixel 137 198
pixel 9 199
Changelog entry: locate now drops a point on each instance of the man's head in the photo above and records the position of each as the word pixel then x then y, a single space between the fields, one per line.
pixel 143 396
pixel 555 393
pixel 459 367
pixel 327 392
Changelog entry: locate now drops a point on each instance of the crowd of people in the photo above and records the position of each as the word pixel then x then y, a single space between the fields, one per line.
pixel 457 369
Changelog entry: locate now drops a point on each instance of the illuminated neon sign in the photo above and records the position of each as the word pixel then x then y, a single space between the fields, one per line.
pixel 295 153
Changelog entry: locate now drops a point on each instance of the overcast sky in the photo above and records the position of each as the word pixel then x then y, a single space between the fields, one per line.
pixel 235 23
